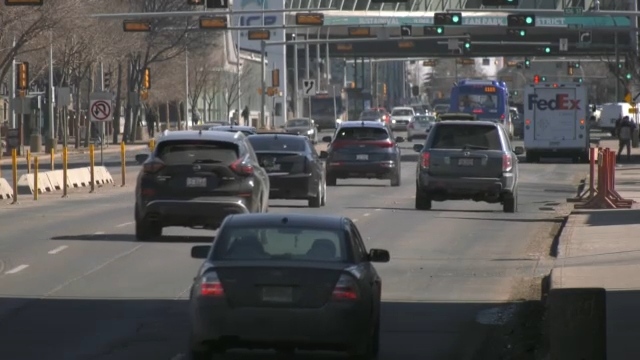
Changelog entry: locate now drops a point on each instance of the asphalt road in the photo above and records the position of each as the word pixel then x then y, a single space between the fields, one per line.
pixel 75 285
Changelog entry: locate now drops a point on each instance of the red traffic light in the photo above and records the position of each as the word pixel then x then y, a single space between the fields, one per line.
pixel 536 79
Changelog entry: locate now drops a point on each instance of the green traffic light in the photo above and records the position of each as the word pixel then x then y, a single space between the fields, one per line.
pixel 544 78
pixel 528 20
pixel 523 33
pixel 455 19
pixel 527 62
pixel 628 76
pixel 619 66
pixel 439 30
pixel 467 45
pixel 576 65
pixel 580 80
pixel 547 50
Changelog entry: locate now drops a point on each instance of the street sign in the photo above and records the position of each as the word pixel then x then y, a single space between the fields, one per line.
pixel 309 87
pixel 585 37
pixel 573 11
pixel 63 96
pixel 405 30
pixel 100 108
pixel 564 44
pixel 575 26
pixel 22 105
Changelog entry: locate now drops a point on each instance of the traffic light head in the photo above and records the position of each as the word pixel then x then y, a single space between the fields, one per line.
pixel 146 79
pixel 628 76
pixel 516 33
pixel 23 76
pixel 527 63
pixel 447 19
pixel 433 30
pixel 536 79
pixel 467 45
pixel 521 20
pixel 576 65
pixel 546 50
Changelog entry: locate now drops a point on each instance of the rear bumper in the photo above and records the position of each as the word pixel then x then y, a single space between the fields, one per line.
pixel 450 188
pixel 194 212
pixel 333 327
pixel 292 186
pixel 399 124
pixel 418 134
pixel 379 169
pixel 558 152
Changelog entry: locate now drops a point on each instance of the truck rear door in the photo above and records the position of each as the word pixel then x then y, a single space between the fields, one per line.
pixel 555 114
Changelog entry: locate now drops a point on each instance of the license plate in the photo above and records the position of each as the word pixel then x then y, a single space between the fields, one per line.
pixel 362 157
pixel 196 182
pixel 465 162
pixel 274 167
pixel 277 294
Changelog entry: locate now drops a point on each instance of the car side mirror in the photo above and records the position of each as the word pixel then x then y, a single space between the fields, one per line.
pixel 326 139
pixel 200 251
pixel 519 150
pixel 141 158
pixel 324 154
pixel 399 139
pixel 379 255
pixel 418 147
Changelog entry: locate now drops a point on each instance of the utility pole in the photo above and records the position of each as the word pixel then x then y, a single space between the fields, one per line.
pixel 12 94
pixel 53 139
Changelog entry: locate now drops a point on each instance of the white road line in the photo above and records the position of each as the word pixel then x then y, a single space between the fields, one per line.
pixel 366 214
pixel 98 233
pixel 58 249
pixel 17 269
pixel 354 220
pixel 125 224
pixel 378 210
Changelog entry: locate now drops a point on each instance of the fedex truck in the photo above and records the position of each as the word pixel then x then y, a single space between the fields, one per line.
pixel 555 121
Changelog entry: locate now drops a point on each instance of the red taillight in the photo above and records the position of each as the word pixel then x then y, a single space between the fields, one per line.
pixel 502 117
pixel 211 286
pixel 240 167
pixel 477 111
pixel 426 159
pixel 346 289
pixel 152 166
pixel 386 144
pixel 507 162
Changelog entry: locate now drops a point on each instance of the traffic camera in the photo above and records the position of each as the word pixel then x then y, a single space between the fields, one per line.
pixel 447 19
pixel 146 79
pixel 23 76
pixel 521 20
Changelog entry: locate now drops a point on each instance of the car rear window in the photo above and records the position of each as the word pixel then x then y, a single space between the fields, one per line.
pixel 424 119
pixel 271 143
pixel 279 243
pixel 402 112
pixel 181 152
pixel 298 123
pixel 461 136
pixel 362 133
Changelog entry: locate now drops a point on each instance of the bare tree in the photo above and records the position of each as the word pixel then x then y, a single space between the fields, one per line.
pixel 230 82
pixel 625 74
pixel 201 69
pixel 213 90
pixel 445 73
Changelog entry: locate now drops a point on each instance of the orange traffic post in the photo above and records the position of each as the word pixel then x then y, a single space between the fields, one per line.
pixel 14 171
pixel 123 162
pixel 152 144
pixel 591 191
pixel 53 159
pixel 28 157
pixel 65 169
pixel 92 167
pixel 35 178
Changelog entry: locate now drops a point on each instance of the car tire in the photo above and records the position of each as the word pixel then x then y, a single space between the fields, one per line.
pixel 146 230
pixel 396 179
pixel 531 158
pixel 316 201
pixel 510 203
pixel 423 200
pixel 331 180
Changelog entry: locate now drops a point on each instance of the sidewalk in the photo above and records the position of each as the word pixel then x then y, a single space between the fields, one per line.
pixel 594 298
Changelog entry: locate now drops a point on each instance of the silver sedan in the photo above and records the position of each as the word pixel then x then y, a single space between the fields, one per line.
pixel 419 126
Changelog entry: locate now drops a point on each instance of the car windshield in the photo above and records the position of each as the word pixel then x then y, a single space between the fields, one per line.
pixel 362 133
pixel 424 119
pixel 273 143
pixel 480 137
pixel 279 243
pixel 186 152
pixel 298 123
pixel 402 112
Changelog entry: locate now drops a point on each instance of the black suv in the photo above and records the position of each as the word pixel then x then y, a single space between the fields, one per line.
pixel 467 160
pixel 197 178
pixel 362 149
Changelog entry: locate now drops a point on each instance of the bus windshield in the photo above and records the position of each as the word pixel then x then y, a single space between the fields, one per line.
pixel 484 101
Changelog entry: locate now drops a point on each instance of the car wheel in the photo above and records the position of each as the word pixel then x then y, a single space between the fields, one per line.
pixel 323 202
pixel 316 201
pixel 331 180
pixel 423 201
pixel 366 349
pixel 147 231
pixel 510 203
pixel 395 180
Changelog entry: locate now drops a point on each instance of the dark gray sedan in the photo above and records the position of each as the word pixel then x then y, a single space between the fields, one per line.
pixel 302 126
pixel 286 282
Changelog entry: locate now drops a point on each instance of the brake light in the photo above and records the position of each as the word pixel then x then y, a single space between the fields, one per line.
pixel 527 122
pixel 240 167
pixel 477 111
pixel 346 289
pixel 502 117
pixel 385 144
pixel 507 162
pixel 336 145
pixel 211 286
pixel 425 159
pixel 152 166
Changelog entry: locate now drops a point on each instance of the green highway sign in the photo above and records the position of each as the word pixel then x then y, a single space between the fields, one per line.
pixel 573 11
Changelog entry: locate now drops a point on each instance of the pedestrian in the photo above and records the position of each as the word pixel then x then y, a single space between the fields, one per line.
pixel 245 115
pixel 624 129
pixel 151 122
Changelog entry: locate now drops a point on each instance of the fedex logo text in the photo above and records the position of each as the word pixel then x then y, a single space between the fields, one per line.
pixel 256 20
pixel 560 102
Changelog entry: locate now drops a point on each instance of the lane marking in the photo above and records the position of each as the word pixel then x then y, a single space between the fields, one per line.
pixel 125 224
pixel 378 210
pixel 354 220
pixel 366 214
pixel 17 269
pixel 98 233
pixel 58 249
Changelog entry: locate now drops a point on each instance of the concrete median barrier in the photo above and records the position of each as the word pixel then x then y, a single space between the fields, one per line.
pixel 56 179
pixel 102 176
pixel 80 177
pixel 26 183
pixel 6 192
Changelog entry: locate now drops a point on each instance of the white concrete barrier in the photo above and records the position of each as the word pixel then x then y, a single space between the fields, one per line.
pixel 102 175
pixel 56 179
pixel 6 191
pixel 28 181
pixel 80 177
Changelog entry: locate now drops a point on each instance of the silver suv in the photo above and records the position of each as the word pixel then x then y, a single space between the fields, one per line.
pixel 467 160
